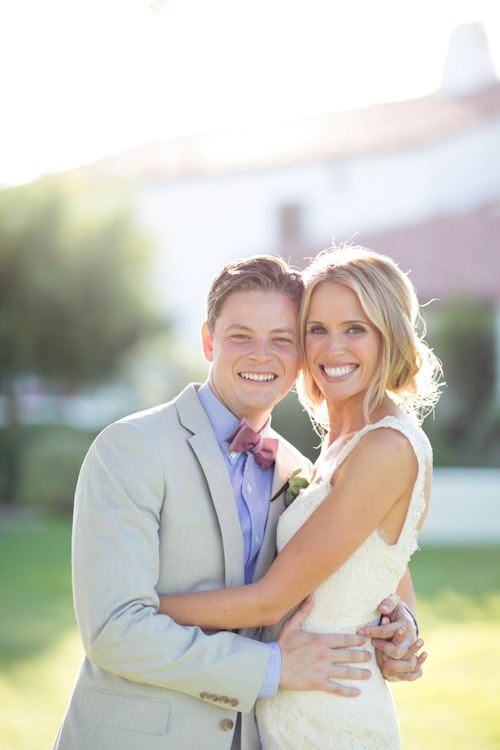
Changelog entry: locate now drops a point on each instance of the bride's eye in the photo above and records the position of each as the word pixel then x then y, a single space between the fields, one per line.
pixel 317 330
pixel 356 329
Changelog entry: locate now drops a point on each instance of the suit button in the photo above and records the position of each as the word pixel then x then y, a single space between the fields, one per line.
pixel 205 696
pixel 232 702
pixel 214 698
pixel 224 699
pixel 227 725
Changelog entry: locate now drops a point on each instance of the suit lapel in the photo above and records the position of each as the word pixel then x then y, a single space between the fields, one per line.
pixel 204 444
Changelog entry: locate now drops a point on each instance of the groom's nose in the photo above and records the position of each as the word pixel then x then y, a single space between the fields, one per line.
pixel 260 350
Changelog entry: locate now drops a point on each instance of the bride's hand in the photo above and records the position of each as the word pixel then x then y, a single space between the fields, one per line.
pixel 408 668
pixel 395 641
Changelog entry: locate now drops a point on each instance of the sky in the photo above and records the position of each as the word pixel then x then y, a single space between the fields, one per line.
pixel 82 80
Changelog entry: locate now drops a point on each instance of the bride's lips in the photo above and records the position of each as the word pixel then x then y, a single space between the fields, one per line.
pixel 338 372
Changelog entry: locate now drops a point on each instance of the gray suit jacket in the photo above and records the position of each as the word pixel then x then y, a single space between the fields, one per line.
pixel 155 514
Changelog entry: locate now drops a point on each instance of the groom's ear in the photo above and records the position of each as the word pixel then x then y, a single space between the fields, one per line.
pixel 207 342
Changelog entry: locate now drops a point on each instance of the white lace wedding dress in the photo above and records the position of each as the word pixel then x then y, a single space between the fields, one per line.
pixel 342 604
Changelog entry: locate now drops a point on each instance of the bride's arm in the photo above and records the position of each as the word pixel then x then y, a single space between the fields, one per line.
pixel 406 592
pixel 379 471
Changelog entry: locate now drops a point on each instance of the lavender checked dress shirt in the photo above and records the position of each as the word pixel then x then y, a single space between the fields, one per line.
pixel 252 493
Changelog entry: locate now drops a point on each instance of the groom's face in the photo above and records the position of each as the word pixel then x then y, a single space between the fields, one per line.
pixel 254 353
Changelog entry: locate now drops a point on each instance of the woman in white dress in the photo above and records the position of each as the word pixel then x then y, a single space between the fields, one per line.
pixel 348 537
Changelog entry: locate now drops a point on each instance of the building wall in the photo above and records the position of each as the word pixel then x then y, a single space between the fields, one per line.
pixel 464 508
pixel 202 223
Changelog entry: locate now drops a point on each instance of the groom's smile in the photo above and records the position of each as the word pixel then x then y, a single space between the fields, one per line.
pixel 253 351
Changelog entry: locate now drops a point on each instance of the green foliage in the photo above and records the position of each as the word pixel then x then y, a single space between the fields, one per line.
pixel 50 457
pixel 466 428
pixel 72 279
pixel 291 421
pixel 73 295
pixel 50 464
pixel 465 338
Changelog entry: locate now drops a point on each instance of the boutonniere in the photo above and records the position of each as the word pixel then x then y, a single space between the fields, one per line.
pixel 292 487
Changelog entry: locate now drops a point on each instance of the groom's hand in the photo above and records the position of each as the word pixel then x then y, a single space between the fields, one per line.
pixel 310 661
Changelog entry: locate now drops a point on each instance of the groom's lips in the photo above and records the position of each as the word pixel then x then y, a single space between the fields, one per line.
pixel 260 378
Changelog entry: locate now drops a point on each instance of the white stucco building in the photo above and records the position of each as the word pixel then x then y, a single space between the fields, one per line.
pixel 292 187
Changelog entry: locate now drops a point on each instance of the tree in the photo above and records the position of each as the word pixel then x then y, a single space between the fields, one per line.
pixel 462 333
pixel 73 286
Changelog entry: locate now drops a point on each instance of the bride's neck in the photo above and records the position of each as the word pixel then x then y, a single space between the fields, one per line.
pixel 347 417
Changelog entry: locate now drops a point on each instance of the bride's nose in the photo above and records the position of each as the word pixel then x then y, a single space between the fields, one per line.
pixel 335 345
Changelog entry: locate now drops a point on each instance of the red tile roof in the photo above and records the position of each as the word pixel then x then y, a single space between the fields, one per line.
pixel 447 256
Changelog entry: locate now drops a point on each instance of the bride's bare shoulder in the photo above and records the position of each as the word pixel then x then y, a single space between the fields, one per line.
pixel 384 448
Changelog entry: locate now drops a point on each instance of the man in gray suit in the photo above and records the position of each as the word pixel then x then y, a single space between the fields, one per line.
pixel 166 504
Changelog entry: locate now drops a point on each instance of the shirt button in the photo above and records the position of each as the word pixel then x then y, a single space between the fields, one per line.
pixel 233 454
pixel 249 488
pixel 257 539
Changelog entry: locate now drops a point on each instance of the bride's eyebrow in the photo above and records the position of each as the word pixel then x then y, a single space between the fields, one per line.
pixel 344 323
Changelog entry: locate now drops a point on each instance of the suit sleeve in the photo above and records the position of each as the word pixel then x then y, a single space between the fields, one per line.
pixel 116 558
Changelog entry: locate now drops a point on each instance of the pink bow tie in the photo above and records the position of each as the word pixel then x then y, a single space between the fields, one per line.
pixel 244 438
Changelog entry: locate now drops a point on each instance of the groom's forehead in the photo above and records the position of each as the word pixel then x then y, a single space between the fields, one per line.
pixel 251 303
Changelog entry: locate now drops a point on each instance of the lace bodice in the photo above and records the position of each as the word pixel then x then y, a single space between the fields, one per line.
pixel 350 598
pixel 346 601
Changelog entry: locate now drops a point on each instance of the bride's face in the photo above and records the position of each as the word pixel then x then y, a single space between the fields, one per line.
pixel 342 347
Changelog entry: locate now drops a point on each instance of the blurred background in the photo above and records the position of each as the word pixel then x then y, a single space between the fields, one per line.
pixel 143 146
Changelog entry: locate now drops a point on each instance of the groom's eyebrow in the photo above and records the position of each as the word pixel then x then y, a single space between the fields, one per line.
pixel 242 327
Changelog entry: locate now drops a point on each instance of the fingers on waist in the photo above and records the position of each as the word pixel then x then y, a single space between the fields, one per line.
pixel 341 672
pixel 343 690
pixel 344 640
pixel 347 656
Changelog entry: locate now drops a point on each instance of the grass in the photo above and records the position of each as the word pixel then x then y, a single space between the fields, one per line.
pixel 455 706
pixel 39 645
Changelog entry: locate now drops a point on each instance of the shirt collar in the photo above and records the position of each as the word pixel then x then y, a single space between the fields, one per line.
pixel 223 421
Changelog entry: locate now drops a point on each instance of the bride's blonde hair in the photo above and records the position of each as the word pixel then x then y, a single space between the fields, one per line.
pixel 408 370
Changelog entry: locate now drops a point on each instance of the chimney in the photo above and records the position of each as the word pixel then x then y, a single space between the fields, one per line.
pixel 468 68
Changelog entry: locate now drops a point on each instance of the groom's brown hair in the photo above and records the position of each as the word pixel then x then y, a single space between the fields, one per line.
pixel 265 273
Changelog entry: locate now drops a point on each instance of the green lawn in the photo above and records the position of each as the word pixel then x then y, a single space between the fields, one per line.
pixel 455 706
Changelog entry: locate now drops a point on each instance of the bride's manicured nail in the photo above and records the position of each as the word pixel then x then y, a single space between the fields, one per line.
pixel 401 631
pixel 384 608
pixel 419 644
pixel 361 632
